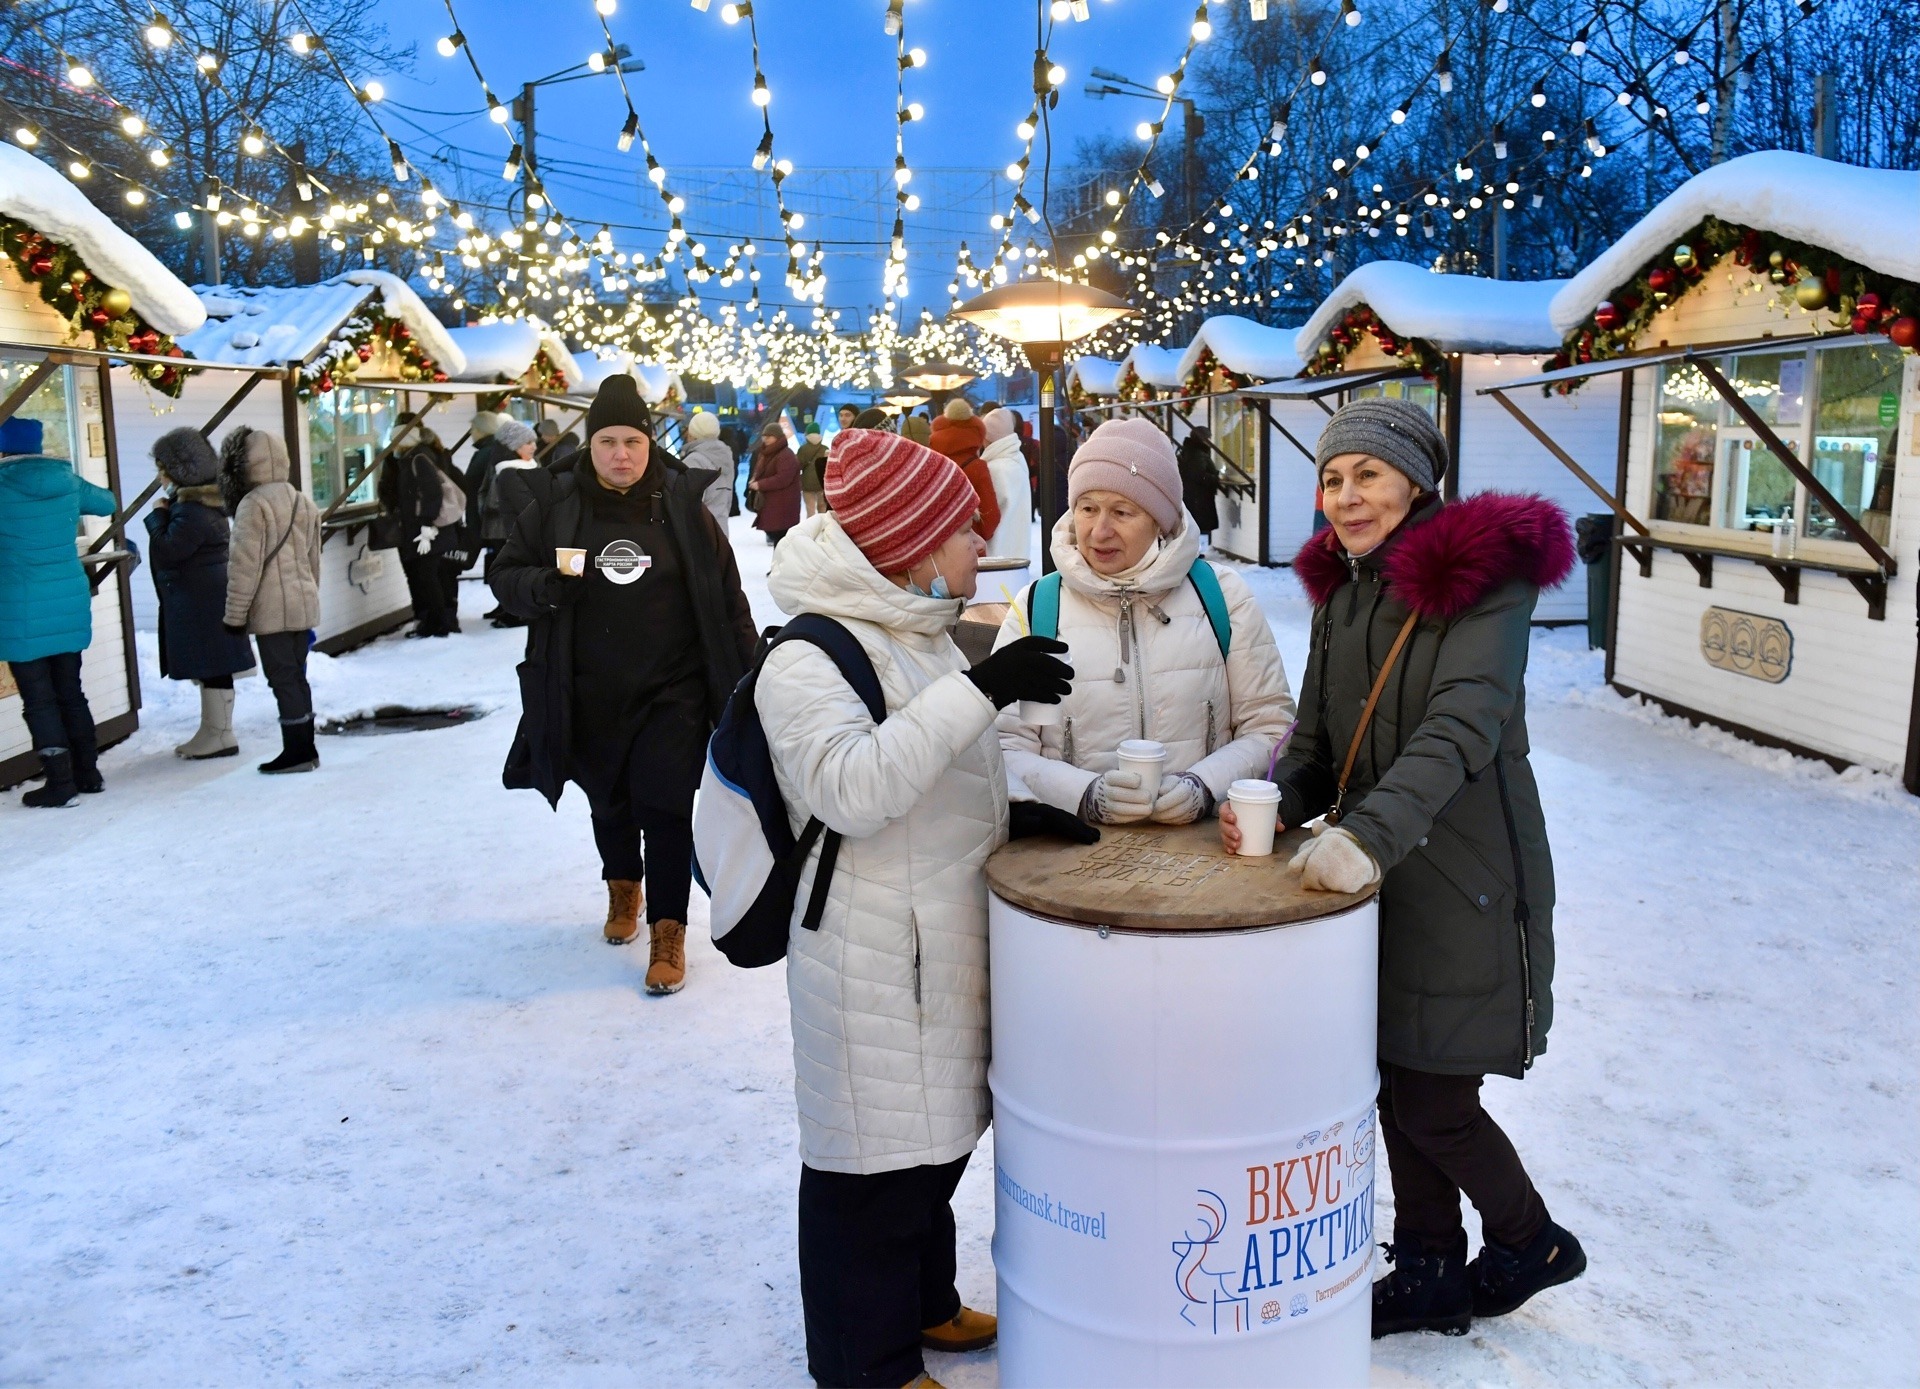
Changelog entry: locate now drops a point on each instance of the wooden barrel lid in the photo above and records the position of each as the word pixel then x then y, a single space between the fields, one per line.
pixel 1160 878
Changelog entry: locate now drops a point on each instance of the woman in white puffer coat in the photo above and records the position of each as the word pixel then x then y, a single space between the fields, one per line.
pixel 1148 662
pixel 889 995
pixel 1007 466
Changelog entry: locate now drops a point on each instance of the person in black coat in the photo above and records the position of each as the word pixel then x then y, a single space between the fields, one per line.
pixel 629 662
pixel 420 485
pixel 187 541
pixel 1200 480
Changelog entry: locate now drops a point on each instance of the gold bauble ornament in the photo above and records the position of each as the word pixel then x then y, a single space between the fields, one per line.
pixel 1777 259
pixel 1683 257
pixel 78 277
pixel 117 302
pixel 1810 295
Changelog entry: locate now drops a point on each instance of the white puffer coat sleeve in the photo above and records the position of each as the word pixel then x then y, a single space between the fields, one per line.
pixel 1147 665
pixel 889 996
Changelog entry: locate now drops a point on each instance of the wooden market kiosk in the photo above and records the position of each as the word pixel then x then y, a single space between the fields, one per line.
pixel 346 356
pixel 524 358
pixel 1452 335
pixel 77 294
pixel 1760 324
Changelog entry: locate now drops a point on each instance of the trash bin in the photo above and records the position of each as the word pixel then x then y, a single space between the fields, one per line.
pixel 1183 1094
pixel 1593 539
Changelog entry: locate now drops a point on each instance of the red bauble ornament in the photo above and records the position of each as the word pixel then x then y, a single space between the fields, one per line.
pixel 1860 323
pixel 1607 315
pixel 169 375
pixel 363 352
pixel 325 383
pixel 400 333
pixel 99 318
pixel 439 376
pixel 41 265
pixel 1905 331
pixel 1830 277
pixel 1661 280
pixel 1867 306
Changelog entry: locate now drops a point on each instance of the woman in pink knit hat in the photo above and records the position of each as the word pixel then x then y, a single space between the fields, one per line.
pixel 889 995
pixel 1168 646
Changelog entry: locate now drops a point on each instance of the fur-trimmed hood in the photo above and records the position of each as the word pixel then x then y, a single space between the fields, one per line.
pixel 1442 563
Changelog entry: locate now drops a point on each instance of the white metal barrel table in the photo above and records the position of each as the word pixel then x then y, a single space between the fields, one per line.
pixel 1183 1092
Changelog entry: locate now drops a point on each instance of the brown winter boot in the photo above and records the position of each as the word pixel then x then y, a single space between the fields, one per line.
pixel 925 1381
pixel 970 1330
pixel 623 911
pixel 667 963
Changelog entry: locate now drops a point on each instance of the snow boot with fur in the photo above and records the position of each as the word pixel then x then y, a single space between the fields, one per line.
pixel 623 911
pixel 297 752
pixel 969 1330
pixel 1425 1292
pixel 667 957
pixel 60 789
pixel 1502 1277
pixel 214 738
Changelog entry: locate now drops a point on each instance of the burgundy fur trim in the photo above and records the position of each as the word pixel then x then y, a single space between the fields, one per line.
pixel 1442 566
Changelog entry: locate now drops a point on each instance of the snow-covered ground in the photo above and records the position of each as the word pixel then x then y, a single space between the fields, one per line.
pixel 329 1079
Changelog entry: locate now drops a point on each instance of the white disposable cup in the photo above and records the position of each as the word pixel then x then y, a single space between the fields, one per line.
pixel 1256 807
pixel 570 561
pixel 1042 715
pixel 1148 758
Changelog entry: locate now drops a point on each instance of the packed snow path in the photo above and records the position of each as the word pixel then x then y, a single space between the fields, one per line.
pixel 329 1079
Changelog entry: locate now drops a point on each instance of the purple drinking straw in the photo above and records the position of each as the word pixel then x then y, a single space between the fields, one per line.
pixel 1280 747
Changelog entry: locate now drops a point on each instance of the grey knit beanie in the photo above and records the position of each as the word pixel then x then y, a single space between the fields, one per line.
pixel 512 434
pixel 1397 432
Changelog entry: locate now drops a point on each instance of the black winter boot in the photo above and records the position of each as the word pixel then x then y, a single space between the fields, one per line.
pixel 298 753
pixel 1504 1277
pixel 1425 1291
pixel 86 768
pixel 59 790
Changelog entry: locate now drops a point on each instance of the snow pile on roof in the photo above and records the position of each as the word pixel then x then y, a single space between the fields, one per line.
pixel 1871 216
pixel 276 324
pixel 1244 348
pixel 555 347
pixel 594 369
pixel 1456 313
pixel 499 351
pixel 1158 367
pixel 32 193
pixel 1094 376
pixel 657 381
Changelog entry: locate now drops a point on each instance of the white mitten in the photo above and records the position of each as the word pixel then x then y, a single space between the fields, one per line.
pixel 1115 798
pixel 1334 861
pixel 1182 800
pixel 423 543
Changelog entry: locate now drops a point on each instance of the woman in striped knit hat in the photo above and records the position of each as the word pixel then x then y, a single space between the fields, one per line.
pixel 889 995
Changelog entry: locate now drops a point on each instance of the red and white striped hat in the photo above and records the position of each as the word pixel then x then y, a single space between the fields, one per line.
pixel 897 500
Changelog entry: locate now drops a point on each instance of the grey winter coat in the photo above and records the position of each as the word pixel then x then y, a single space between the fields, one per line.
pixel 1442 794
pixel 712 456
pixel 271 586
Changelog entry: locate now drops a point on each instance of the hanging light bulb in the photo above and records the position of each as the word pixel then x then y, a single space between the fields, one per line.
pixel 628 131
pixel 496 112
pixel 373 91
pixel 1350 12
pixel 450 44
pixel 511 169
pixel 1024 130
pixel 159 32
pixel 78 76
pixel 1144 130
pixel 254 141
pixel 206 62
pixel 1538 97
pixel 400 170
pixel 1202 26
pixel 1317 72
pixel 605 7
pixel 762 153
pixel 761 96
pixel 159 158
pixel 1579 45
pixel 1443 71
pixel 132 124
pixel 79 168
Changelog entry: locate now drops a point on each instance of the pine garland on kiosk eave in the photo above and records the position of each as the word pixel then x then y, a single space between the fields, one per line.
pixel 1810 278
pixel 1209 377
pixel 88 303
pixel 339 362
pixel 550 377
pixel 1330 358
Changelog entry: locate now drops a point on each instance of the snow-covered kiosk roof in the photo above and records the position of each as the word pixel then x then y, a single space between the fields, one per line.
pixel 507 349
pixel 1246 351
pixel 1870 216
pixel 322 326
pixel 659 385
pixel 1406 306
pixel 1093 376
pixel 1149 368
pixel 43 201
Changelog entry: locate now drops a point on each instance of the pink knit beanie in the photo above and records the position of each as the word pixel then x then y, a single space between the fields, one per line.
pixel 897 500
pixel 1135 458
pixel 999 423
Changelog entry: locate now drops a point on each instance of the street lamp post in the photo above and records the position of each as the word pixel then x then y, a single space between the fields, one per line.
pixel 1111 83
pixel 1044 316
pixel 938 379
pixel 521 108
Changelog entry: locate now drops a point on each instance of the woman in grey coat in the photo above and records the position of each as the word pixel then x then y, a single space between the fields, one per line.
pixel 1440 810
pixel 706 452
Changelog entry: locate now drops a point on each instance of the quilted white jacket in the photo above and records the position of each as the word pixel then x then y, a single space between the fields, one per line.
pixel 1147 665
pixel 1007 466
pixel 889 996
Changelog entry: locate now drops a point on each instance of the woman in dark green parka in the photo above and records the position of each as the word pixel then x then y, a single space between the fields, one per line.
pixel 1442 811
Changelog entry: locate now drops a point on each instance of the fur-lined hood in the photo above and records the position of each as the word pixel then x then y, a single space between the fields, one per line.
pixel 1443 562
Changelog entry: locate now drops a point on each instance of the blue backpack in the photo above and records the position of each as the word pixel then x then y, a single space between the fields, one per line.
pixel 1043 616
pixel 745 854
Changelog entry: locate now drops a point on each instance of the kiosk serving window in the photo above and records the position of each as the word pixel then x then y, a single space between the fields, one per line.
pixel 1835 406
pixel 1421 392
pixel 52 404
pixel 346 427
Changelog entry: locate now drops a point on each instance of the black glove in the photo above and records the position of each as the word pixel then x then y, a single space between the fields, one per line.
pixel 1025 819
pixel 559 590
pixel 1029 668
pixel 232 630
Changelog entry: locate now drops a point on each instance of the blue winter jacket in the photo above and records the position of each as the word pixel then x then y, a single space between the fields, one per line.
pixel 46 607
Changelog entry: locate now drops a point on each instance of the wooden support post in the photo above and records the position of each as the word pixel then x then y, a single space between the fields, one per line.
pixel 18 395
pixel 1613 503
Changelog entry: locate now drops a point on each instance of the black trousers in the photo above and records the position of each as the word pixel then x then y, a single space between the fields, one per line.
pixel 433 585
pixel 876 1267
pixel 283 658
pixel 55 706
pixel 665 864
pixel 1440 1142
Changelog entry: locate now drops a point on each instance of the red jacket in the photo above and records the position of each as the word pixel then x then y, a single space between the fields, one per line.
pixel 962 440
pixel 777 470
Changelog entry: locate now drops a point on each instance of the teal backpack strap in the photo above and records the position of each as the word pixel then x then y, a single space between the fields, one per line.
pixel 1043 608
pixel 1206 583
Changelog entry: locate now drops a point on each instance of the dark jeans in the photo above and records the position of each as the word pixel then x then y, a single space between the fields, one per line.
pixel 666 866
pixel 283 657
pixel 433 585
pixel 876 1267
pixel 1440 1142
pixel 54 705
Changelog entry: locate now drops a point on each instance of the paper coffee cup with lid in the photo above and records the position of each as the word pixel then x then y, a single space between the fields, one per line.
pixel 1256 808
pixel 1146 757
pixel 570 561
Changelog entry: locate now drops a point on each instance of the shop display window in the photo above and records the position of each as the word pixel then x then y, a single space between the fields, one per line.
pixel 1856 418
pixel 346 428
pixel 52 403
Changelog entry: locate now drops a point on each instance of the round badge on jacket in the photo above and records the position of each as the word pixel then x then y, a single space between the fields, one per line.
pixel 623 562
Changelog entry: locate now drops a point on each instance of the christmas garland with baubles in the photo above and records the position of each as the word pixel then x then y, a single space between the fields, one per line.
pixel 550 377
pixel 339 362
pixel 1811 277
pixel 1330 357
pixel 1201 380
pixel 88 303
